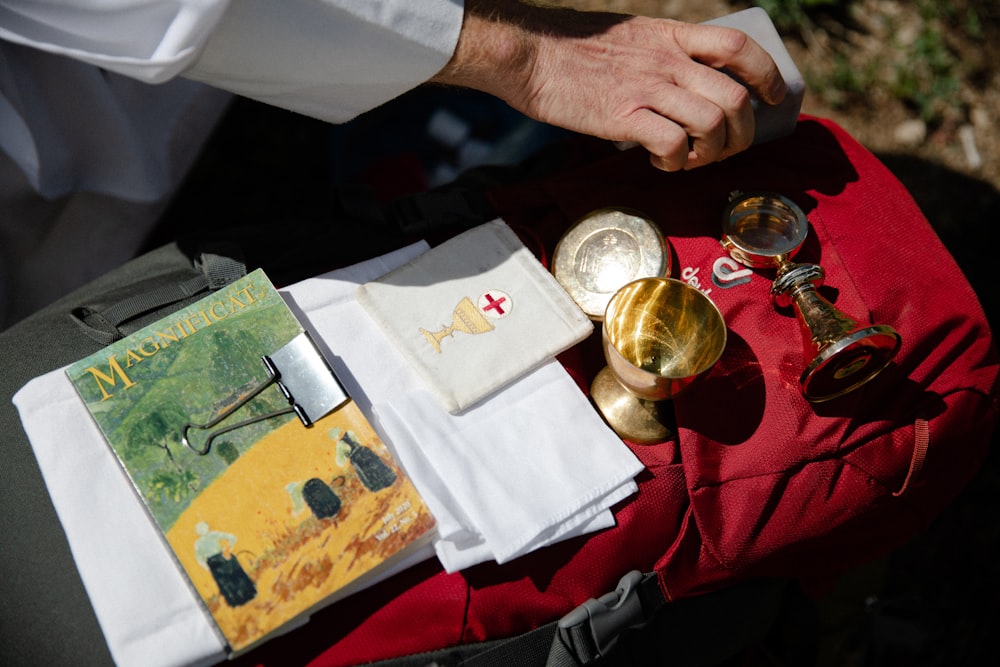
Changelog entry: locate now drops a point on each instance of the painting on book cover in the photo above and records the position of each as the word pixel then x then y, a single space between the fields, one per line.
pixel 297 517
pixel 273 518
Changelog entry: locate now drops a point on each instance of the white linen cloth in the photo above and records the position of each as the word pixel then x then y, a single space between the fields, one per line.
pixel 475 313
pixel 147 611
pixel 548 468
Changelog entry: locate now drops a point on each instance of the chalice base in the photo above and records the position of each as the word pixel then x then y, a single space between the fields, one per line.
pixel 848 363
pixel 632 418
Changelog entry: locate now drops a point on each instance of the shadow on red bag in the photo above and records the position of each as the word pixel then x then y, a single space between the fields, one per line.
pixel 758 482
pixel 779 486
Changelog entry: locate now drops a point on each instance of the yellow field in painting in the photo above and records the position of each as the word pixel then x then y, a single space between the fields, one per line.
pixel 295 559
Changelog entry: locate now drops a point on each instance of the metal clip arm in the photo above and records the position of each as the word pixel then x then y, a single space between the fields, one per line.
pixel 305 379
pixel 207 446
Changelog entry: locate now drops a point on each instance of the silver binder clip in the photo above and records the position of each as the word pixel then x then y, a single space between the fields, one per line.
pixel 305 379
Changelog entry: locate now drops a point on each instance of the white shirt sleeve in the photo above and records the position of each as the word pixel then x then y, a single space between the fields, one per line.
pixel 331 59
pixel 149 40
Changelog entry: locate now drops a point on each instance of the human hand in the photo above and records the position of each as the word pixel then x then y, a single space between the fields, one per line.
pixel 656 82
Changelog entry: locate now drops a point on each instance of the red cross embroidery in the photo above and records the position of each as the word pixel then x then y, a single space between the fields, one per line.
pixel 494 304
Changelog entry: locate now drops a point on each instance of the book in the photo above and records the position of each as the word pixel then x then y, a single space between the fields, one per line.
pixel 269 512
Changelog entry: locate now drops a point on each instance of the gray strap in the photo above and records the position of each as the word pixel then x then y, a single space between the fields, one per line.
pixel 591 630
pixel 221 265
pixel 104 324
pixel 128 309
pixel 585 634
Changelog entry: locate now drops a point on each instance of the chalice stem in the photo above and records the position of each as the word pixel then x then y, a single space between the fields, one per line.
pixel 435 337
pixel 822 323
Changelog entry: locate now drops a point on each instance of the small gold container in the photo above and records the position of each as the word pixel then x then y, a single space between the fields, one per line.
pixel 605 250
pixel 763 229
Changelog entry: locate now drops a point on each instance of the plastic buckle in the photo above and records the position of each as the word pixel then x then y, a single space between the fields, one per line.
pixel 591 630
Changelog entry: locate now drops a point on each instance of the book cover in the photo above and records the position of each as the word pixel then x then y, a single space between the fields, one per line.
pixel 272 518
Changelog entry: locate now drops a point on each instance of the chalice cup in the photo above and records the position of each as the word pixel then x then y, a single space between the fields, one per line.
pixel 659 335
pixel 765 230
pixel 466 318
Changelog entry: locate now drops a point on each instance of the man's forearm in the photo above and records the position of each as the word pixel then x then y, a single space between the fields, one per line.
pixel 657 82
pixel 499 42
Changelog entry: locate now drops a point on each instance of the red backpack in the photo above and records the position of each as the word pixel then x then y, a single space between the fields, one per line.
pixel 759 482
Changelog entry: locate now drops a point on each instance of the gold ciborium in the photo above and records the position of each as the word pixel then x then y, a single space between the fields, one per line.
pixel 466 318
pixel 765 230
pixel 659 334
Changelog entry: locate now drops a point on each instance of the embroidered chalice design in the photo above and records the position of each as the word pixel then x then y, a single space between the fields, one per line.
pixel 472 317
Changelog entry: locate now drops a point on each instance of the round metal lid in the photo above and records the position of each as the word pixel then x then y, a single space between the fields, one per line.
pixel 762 229
pixel 605 250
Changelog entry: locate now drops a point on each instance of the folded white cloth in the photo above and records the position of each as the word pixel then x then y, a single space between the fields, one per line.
pixel 142 601
pixel 474 314
pixel 532 464
pixel 562 469
pixel 542 485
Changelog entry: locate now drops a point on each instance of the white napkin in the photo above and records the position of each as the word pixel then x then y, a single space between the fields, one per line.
pixel 141 599
pixel 474 314
pixel 542 486
pixel 118 551
pixel 555 468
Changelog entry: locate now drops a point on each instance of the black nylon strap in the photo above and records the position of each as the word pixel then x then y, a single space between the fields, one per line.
pixel 221 264
pixel 592 630
pixel 531 649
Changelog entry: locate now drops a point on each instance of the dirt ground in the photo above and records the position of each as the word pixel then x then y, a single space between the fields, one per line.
pixel 870 68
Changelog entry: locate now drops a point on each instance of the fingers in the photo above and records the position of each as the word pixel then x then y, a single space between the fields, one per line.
pixel 734 51
pixel 721 122
pixel 666 141
pixel 696 123
pixel 712 108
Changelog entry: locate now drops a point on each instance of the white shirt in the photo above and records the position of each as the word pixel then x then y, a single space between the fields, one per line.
pixel 103 107
pixel 330 59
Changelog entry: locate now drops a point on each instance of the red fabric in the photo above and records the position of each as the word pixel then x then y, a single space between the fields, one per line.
pixel 758 482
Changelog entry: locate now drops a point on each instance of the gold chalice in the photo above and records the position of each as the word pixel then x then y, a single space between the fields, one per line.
pixel 466 318
pixel 765 230
pixel 659 334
